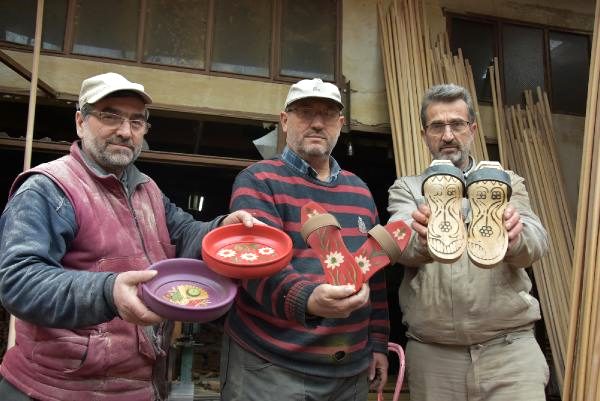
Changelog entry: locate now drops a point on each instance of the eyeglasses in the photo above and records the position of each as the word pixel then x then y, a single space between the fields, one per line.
pixel 309 113
pixel 457 127
pixel 113 120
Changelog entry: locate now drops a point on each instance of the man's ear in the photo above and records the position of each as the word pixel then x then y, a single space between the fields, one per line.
pixel 79 121
pixel 473 127
pixel 283 117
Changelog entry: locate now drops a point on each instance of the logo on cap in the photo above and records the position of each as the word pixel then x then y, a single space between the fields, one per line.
pixel 313 88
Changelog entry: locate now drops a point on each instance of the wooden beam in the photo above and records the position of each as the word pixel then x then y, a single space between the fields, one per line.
pixel 25 73
pixel 146 156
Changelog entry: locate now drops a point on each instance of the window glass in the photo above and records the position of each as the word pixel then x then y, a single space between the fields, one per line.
pixel 175 32
pixel 242 37
pixel 569 58
pixel 17 22
pixel 523 60
pixel 308 38
pixel 106 28
pixel 480 52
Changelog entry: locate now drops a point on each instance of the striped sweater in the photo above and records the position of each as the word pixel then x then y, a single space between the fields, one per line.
pixel 269 316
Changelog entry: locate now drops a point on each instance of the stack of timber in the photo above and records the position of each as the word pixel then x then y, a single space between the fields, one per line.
pixel 582 370
pixel 412 63
pixel 527 145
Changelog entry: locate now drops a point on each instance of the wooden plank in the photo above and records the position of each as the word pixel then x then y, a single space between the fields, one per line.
pixel 25 73
pixel 573 382
pixel 152 156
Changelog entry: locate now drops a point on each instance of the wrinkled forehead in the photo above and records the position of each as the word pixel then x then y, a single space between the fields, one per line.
pixel 454 108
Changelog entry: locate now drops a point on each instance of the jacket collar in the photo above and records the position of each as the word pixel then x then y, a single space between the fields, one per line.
pixel 301 166
pixel 131 177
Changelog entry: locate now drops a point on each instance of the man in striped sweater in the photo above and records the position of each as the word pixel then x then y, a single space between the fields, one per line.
pixel 291 336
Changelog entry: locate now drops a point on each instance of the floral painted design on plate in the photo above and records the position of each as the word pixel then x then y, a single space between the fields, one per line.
pixel 247 253
pixel 188 294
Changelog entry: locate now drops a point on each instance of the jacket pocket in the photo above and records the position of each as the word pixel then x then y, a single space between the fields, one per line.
pixel 70 354
pixel 511 290
pixel 170 250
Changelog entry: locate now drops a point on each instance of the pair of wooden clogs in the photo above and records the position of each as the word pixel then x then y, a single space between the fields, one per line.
pixel 488 190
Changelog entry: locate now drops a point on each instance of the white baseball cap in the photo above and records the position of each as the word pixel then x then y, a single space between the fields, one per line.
pixel 100 86
pixel 313 88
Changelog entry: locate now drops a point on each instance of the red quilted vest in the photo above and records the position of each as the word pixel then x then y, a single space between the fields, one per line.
pixel 113 360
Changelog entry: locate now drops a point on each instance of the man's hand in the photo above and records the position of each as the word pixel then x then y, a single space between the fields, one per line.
pixel 378 369
pixel 513 224
pixel 240 216
pixel 129 305
pixel 421 219
pixel 336 301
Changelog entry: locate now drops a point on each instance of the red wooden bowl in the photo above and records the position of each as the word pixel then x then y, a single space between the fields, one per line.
pixel 187 290
pixel 240 252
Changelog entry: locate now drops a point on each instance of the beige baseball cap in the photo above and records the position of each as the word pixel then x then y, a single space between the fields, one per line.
pixel 313 88
pixel 100 86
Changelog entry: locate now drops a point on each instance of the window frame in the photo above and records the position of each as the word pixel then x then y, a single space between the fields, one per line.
pixel 274 51
pixel 498 23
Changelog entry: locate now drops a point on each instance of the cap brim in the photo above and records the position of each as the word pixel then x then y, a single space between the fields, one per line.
pixel 318 98
pixel 101 95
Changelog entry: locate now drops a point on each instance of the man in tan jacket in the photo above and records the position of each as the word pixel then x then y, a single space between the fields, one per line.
pixel 470 330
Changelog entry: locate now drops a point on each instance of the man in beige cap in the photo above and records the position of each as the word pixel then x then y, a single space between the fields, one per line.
pixel 291 336
pixel 76 238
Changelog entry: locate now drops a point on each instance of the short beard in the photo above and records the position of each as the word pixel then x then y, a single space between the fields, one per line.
pixel 314 152
pixel 112 162
pixel 457 158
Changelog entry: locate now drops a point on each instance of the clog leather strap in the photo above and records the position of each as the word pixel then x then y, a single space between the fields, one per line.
pixel 387 243
pixel 316 222
pixel 443 169
pixel 490 174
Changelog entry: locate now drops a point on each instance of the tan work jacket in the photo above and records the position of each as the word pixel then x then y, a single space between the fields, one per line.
pixel 460 303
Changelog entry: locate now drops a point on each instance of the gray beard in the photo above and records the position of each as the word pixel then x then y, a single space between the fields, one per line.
pixel 110 161
pixel 457 158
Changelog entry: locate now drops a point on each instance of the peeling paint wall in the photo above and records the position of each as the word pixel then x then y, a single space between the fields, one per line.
pixel 362 65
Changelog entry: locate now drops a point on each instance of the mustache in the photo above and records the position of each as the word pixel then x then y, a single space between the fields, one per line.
pixel 314 134
pixel 120 141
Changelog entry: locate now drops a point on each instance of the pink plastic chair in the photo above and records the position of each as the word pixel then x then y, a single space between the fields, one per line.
pixel 400 352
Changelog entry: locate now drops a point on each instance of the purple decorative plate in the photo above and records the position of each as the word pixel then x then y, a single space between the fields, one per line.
pixel 187 290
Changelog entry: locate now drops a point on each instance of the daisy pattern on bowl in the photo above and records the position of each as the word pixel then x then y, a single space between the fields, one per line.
pixel 334 259
pixel 227 253
pixel 248 256
pixel 247 253
pixel 266 250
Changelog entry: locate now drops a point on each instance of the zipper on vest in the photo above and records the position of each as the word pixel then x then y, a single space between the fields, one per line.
pixel 137 226
pixel 154 337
